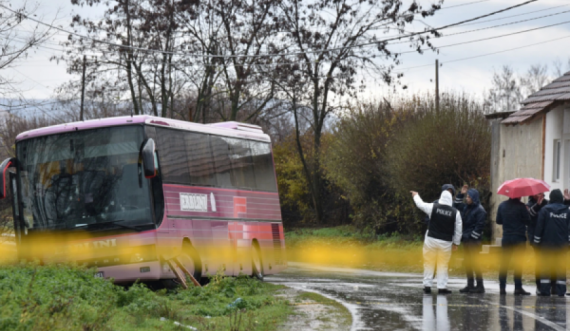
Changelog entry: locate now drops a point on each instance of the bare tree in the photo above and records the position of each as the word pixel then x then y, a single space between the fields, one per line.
pixel 137 42
pixel 560 67
pixel 232 38
pixel 15 44
pixel 535 78
pixel 324 35
pixel 505 93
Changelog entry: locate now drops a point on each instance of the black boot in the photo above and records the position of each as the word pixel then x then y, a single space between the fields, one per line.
pixel 443 291
pixel 542 294
pixel 469 287
pixel 427 290
pixel 521 291
pixel 502 291
pixel 480 288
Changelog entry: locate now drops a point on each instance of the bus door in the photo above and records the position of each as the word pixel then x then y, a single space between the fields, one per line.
pixel 165 238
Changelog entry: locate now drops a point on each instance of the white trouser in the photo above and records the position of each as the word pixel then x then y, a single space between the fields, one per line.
pixel 440 321
pixel 436 250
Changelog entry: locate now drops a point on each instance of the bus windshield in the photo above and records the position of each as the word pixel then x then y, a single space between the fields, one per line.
pixel 84 178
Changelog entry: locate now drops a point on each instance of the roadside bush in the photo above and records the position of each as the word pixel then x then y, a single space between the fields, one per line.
pixel 381 151
pixel 434 148
pixel 355 162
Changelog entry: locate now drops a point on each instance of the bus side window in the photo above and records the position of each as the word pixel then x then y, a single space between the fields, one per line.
pixel 242 174
pixel 173 156
pixel 200 159
pixel 222 164
pixel 263 165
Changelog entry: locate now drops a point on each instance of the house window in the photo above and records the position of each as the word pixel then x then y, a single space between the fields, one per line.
pixel 557 151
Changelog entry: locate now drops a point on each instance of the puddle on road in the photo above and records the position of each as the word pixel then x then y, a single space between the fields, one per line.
pixel 389 301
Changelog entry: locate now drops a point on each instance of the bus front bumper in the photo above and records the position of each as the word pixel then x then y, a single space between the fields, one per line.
pixel 151 270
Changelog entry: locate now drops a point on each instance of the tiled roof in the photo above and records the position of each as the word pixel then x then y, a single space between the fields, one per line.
pixel 527 112
pixel 542 100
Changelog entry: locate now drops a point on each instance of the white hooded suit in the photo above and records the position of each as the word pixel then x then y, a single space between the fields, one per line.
pixel 437 250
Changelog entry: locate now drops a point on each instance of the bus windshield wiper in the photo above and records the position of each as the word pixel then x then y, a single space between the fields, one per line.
pixel 132 227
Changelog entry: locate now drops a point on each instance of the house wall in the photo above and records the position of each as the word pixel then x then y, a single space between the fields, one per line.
pixel 519 155
pixel 557 128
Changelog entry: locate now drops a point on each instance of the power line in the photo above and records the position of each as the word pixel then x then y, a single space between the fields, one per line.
pixel 439 47
pixel 489 38
pixel 464 4
pixel 483 55
pixel 28 77
pixel 496 26
pixel 402 42
pixel 527 13
pixel 28 106
pixel 448 35
pixel 273 55
pixel 469 42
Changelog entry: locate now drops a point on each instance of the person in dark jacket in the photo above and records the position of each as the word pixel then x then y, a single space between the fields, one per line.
pixel 514 217
pixel 534 205
pixel 473 216
pixel 552 235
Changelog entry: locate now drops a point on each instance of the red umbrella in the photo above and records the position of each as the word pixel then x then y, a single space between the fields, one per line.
pixel 521 187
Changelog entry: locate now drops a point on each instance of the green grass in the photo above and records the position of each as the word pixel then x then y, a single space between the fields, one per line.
pixel 348 235
pixel 63 297
pixel 344 246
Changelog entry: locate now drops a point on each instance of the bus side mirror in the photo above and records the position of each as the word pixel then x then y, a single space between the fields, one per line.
pixel 147 155
pixel 10 162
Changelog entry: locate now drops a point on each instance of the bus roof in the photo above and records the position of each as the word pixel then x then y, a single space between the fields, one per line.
pixel 231 129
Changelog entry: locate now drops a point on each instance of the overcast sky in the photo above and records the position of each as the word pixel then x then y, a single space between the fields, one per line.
pixel 38 76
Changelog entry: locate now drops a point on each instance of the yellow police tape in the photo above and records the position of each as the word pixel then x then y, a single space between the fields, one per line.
pixel 406 257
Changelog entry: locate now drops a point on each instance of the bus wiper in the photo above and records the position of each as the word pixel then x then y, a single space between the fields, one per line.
pixel 132 227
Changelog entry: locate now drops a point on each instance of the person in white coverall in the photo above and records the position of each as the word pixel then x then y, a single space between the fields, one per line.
pixel 443 235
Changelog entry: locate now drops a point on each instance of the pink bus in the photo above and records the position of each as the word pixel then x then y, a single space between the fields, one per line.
pixel 129 194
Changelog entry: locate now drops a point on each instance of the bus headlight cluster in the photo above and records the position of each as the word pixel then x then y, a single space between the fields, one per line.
pixel 137 258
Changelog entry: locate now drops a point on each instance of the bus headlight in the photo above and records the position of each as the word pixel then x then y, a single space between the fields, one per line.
pixel 142 254
pixel 137 258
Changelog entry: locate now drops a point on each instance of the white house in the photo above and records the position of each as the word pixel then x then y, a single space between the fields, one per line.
pixel 533 141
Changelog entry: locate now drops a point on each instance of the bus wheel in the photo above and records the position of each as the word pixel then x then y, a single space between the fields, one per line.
pixel 257 263
pixel 191 260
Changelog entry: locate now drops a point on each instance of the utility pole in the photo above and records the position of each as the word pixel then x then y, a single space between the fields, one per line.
pixel 82 90
pixel 437 85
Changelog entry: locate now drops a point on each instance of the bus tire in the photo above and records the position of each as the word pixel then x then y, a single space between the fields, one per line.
pixel 256 262
pixel 191 260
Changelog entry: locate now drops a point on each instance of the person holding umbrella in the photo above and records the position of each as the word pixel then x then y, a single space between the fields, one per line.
pixel 552 235
pixel 514 217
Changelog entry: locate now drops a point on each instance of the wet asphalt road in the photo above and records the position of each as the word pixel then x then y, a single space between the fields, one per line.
pixel 394 301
